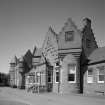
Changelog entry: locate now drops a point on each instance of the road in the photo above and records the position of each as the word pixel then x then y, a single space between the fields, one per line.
pixel 11 96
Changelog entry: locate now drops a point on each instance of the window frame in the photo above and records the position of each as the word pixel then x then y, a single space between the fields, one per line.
pixel 72 73
pixel 92 76
pixel 57 71
pixel 69 36
pixel 98 74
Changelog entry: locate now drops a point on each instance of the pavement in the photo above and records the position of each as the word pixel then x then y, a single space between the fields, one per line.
pixel 13 96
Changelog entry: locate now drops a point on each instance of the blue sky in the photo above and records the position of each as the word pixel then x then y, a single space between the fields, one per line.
pixel 24 23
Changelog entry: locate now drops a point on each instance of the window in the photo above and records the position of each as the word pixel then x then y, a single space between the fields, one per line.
pixel 69 35
pixel 43 78
pixel 90 75
pixel 101 74
pixel 57 76
pixel 31 79
pixel 38 77
pixel 72 73
pixel 57 64
pixel 49 76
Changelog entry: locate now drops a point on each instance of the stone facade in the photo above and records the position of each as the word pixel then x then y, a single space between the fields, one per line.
pixel 18 68
pixel 37 75
pixel 94 77
pixel 12 73
pixel 61 65
pixel 60 50
pixel 94 86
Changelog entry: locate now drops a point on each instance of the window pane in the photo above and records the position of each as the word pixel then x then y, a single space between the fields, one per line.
pixel 90 79
pixel 90 75
pixel 57 76
pixel 101 77
pixel 71 72
pixel 71 77
pixel 101 74
pixel 69 35
pixel 90 72
pixel 49 79
pixel 49 76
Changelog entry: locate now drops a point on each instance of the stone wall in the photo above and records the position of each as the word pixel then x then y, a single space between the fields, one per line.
pixel 65 86
pixel 95 87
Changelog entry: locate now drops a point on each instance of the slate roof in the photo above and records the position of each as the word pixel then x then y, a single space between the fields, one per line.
pixel 38 57
pixel 21 59
pixel 97 55
pixel 69 26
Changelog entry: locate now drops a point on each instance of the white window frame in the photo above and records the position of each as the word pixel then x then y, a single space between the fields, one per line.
pixel 73 73
pixel 56 75
pixel 98 77
pixel 89 75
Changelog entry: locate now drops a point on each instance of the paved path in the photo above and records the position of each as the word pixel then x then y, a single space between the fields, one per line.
pixel 9 95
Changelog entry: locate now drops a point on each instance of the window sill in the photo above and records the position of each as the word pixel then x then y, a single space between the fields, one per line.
pixel 72 81
pixel 100 82
pixel 90 82
pixel 57 82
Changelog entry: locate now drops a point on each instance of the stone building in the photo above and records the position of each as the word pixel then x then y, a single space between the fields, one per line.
pixel 37 75
pixel 89 44
pixel 94 77
pixel 18 69
pixel 63 63
pixel 62 51
pixel 65 58
pixel 12 74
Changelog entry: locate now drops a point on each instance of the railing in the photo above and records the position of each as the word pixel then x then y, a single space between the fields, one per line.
pixel 36 88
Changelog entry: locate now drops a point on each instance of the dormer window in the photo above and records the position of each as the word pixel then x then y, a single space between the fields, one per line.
pixel 69 36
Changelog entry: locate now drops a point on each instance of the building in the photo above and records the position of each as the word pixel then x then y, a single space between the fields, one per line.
pixel 89 44
pixel 63 63
pixel 18 69
pixel 12 78
pixel 94 77
pixel 62 52
pixel 37 75
pixel 65 55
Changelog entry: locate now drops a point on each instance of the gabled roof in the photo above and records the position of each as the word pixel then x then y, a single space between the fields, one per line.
pixel 37 56
pixel 97 55
pixel 38 52
pixel 34 50
pixel 21 59
pixel 50 33
pixel 28 58
pixel 70 22
pixel 50 46
pixel 77 36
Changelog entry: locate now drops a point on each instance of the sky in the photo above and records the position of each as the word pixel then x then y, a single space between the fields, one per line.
pixel 24 23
